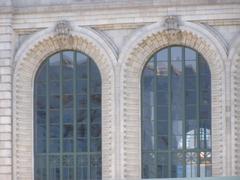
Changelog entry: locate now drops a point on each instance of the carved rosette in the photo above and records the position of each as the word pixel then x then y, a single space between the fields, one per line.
pixel 172 31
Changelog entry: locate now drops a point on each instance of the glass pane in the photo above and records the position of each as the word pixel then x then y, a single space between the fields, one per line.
pixel 68 116
pixel 67 101
pixel 162 55
pixel 40 164
pixel 82 101
pixel 82 130
pixel 177 128
pixel 68 65
pixel 54 145
pixel 162 69
pixel 68 87
pixel 54 67
pixel 148 165
pixel 95 144
pixel 177 165
pixel 191 164
pixel 54 116
pixel 95 130
pixel 67 131
pixel 177 141
pixel 41 88
pixel 96 116
pixel 82 166
pixel 190 68
pixel 41 102
pixel 162 113
pixel 176 53
pixel 190 55
pixel 94 71
pixel 96 169
pixel 41 74
pixel 41 145
pixel 162 165
pixel 205 83
pixel 162 128
pixel 162 83
pixel 148 135
pixel 162 142
pixel 82 65
pixel 95 86
pixel 41 117
pixel 162 98
pixel 82 86
pixel 82 145
pixel 203 67
pixel 54 167
pixel 82 116
pixel 41 131
pixel 67 145
pixel 54 102
pixel 96 101
pixel 54 131
pixel 54 87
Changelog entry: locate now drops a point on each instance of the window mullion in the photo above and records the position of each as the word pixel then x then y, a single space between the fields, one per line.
pixel 169 112
pixel 47 120
pixel 88 119
pixel 61 116
pixel 74 116
pixel 198 119
pixel 184 115
pixel 155 114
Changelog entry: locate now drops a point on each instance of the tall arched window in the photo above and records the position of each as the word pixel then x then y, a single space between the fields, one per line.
pixel 176 115
pixel 67 118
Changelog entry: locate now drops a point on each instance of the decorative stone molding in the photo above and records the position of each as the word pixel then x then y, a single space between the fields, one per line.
pixel 140 48
pixel 63 28
pixel 234 57
pixel 28 60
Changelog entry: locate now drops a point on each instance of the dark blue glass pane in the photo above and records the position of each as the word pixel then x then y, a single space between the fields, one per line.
pixel 95 164
pixel 190 68
pixel 41 117
pixel 203 67
pixel 94 71
pixel 95 145
pixel 82 101
pixel 40 163
pixel 41 88
pixel 96 116
pixel 162 98
pixel 41 102
pixel 82 131
pixel 68 65
pixel 54 87
pixel 96 101
pixel 162 165
pixel 82 145
pixel 54 167
pixel 41 145
pixel 205 112
pixel 68 116
pixel 54 116
pixel 54 145
pixel 41 131
pixel 82 86
pixel 162 142
pixel 54 67
pixel 96 86
pixel 148 135
pixel 162 69
pixel 67 101
pixel 82 65
pixel 191 97
pixel 190 83
pixel 67 145
pixel 82 116
pixel 82 166
pixel 162 113
pixel 149 165
pixel 162 83
pixel 68 131
pixel 162 128
pixel 95 130
pixel 191 112
pixel 68 87
pixel 54 102
pixel 177 165
pixel 205 97
pixel 54 131
pixel 41 74
pixel 205 83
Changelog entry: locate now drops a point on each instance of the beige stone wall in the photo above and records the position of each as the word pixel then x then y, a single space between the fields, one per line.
pixel 120 37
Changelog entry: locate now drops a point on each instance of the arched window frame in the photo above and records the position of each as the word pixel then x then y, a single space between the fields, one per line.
pixel 199 59
pixel 70 72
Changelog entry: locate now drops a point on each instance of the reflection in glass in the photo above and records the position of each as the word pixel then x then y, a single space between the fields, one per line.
pixel 67 133
pixel 176 114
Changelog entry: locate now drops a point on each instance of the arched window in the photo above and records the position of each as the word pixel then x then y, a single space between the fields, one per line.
pixel 176 115
pixel 67 118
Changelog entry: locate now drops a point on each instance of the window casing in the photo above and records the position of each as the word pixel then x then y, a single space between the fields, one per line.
pixel 67 118
pixel 176 115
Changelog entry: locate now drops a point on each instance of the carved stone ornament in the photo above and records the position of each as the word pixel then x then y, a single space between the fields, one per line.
pixel 63 28
pixel 171 23
pixel 172 30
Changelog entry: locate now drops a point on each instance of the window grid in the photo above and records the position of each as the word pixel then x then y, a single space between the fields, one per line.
pixel 184 151
pixel 65 156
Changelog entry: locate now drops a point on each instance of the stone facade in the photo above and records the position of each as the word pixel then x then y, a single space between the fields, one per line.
pixel 119 36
